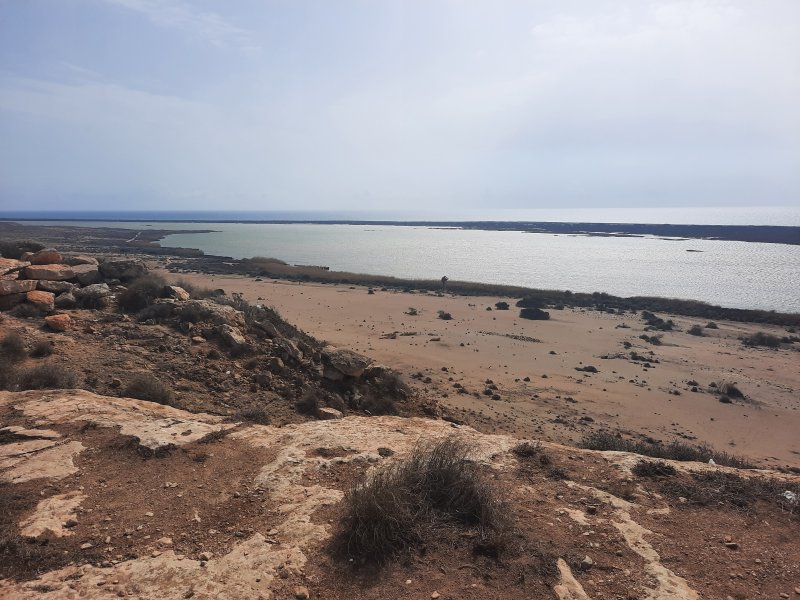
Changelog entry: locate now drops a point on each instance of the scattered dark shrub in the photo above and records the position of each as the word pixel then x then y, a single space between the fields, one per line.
pixel 730 390
pixel 41 349
pixel 147 387
pixel 653 339
pixel 650 468
pixel 253 414
pixel 445 316
pixel 526 449
pixel 25 310
pixel 534 314
pixel 717 488
pixel 655 322
pixel 400 505
pixel 695 330
pixel 48 376
pixel 377 405
pixel 12 347
pixel 214 436
pixel 16 249
pixel 308 404
pixel 501 305
pixel 141 292
pixel 674 450
pixel 761 338
pixel 712 325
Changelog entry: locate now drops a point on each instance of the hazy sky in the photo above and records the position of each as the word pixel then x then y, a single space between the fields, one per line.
pixel 293 104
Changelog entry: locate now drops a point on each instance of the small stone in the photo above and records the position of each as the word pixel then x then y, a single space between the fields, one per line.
pixel 198 339
pixel 435 595
pixel 587 563
pixel 205 556
pixel 732 545
pixel 165 541
pixel 70 523
pixel 148 514
pixel 301 593
pixel 86 546
pixel 797 590
pixel 116 382
pixel 58 322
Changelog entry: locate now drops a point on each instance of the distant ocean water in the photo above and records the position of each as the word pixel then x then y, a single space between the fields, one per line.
pixel 732 274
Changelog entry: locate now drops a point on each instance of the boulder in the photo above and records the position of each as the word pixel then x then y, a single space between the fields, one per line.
pixel 16 286
pixel 94 291
pixel 327 413
pixel 232 336
pixel 56 287
pixel 79 260
pixel 66 300
pixel 58 322
pixel 9 276
pixel 346 362
pixel 123 269
pixel 287 349
pixel 177 292
pixel 86 274
pixel 11 301
pixel 331 374
pixel 11 265
pixel 44 301
pixel 49 272
pixel 217 314
pixel 48 256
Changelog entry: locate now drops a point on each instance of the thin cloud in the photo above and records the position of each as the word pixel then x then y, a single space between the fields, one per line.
pixel 176 14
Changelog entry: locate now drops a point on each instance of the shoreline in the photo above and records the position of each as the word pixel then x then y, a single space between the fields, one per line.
pixel 110 240
pixel 766 234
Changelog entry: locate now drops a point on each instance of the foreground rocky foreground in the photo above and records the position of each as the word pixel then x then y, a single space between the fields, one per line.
pixel 107 496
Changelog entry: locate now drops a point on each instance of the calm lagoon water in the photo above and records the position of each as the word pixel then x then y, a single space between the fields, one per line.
pixel 734 274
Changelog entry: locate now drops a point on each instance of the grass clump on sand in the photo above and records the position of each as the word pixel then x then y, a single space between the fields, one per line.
pixel 674 450
pixel 696 330
pixel 401 505
pixel 761 338
pixel 147 387
pixel 653 468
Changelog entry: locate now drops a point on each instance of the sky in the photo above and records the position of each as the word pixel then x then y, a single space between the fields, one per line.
pixel 383 104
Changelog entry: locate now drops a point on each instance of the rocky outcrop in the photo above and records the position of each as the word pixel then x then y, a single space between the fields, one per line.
pixel 176 292
pixel 345 362
pixel 52 272
pixel 124 269
pixel 216 314
pixel 48 256
pixel 86 274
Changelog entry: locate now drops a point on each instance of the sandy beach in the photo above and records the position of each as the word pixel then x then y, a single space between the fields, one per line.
pixel 533 366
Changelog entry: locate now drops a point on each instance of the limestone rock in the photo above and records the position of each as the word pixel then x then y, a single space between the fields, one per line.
pixel 11 265
pixel 44 301
pixel 217 314
pixel 232 336
pixel 177 292
pixel 86 274
pixel 52 272
pixel 48 256
pixel 79 260
pixel 93 292
pixel 17 286
pixel 327 413
pixel 58 322
pixel 346 362
pixel 66 300
pixel 56 287
pixel 123 269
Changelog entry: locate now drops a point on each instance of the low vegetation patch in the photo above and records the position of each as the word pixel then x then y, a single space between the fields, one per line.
pixel 398 507
pixel 655 322
pixel 444 315
pixel 48 376
pixel 653 468
pixel 41 349
pixel 763 339
pixel 12 348
pixel 147 387
pixel 141 293
pixel 534 314
pixel 695 330
pixel 674 450
pixel 501 305
pixel 253 414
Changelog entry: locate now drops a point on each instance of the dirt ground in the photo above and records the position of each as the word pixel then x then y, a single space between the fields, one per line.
pixel 649 394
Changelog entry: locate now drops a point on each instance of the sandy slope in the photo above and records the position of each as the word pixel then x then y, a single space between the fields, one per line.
pixel 475 346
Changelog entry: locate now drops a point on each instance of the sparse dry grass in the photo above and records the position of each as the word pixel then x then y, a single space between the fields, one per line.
pixel 147 387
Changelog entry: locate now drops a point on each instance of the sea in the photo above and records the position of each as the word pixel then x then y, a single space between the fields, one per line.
pixel 727 273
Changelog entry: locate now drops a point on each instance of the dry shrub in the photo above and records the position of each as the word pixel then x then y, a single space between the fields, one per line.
pixel 653 468
pixel 141 292
pixel 308 404
pixel 41 349
pixel 48 376
pixel 12 347
pixel 761 338
pixel 527 449
pixel 695 330
pixel 253 414
pixel 717 488
pixel 147 387
pixel 399 506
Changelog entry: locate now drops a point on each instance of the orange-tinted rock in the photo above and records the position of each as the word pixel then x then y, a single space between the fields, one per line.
pixel 11 265
pixel 16 286
pixel 58 322
pixel 49 272
pixel 42 300
pixel 48 256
